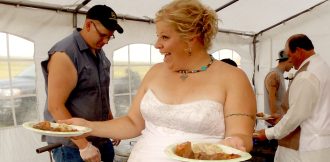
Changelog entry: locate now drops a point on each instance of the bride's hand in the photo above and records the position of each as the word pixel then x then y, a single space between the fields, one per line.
pixel 79 122
pixel 234 142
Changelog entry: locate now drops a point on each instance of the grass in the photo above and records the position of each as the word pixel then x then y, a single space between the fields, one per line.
pixel 16 66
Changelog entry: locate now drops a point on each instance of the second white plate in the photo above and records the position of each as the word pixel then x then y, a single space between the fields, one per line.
pixel 170 152
pixel 81 130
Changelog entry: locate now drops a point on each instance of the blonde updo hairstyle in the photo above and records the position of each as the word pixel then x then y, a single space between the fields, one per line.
pixel 190 19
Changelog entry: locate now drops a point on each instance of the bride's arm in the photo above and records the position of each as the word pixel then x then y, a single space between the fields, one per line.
pixel 125 127
pixel 240 110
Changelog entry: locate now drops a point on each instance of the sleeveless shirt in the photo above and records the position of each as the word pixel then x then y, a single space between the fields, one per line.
pixel 90 98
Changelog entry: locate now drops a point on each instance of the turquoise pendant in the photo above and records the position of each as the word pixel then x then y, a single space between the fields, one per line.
pixel 203 68
pixel 183 76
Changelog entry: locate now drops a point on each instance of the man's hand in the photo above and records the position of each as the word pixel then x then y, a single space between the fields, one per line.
pixel 79 122
pixel 115 142
pixel 260 135
pixel 234 142
pixel 274 119
pixel 90 153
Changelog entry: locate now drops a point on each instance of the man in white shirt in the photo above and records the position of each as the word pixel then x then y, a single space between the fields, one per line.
pixel 304 131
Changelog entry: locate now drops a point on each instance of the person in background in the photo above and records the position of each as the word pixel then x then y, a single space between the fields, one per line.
pixel 304 131
pixel 229 61
pixel 274 85
pixel 188 97
pixel 274 95
pixel 77 76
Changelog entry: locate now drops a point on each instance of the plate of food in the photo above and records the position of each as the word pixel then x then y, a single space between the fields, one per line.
pixel 56 129
pixel 205 152
pixel 263 116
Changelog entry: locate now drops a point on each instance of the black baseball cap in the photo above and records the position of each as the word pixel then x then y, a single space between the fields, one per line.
pixel 106 16
pixel 282 55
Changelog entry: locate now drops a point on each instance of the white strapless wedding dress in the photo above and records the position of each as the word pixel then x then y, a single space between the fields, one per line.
pixel 167 124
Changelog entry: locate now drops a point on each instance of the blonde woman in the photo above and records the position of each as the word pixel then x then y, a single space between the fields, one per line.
pixel 188 97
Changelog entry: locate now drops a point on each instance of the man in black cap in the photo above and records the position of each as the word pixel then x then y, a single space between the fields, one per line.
pixel 77 79
pixel 274 96
pixel 274 85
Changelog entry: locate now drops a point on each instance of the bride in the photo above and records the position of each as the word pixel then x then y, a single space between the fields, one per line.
pixel 188 97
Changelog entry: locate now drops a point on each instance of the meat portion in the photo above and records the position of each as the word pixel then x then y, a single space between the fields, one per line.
pixel 186 150
pixel 46 125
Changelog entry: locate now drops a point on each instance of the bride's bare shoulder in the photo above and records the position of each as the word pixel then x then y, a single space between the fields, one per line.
pixel 156 68
pixel 229 72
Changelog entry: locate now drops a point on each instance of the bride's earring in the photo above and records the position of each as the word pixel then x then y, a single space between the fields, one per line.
pixel 188 50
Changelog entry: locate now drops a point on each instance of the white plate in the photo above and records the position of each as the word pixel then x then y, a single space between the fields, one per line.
pixel 170 152
pixel 81 130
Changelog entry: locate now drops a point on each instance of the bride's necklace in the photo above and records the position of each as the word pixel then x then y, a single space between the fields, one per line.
pixel 184 73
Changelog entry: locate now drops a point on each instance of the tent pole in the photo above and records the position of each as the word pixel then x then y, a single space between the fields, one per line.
pixel 226 5
pixel 75 15
pixel 256 67
pixel 76 12
pixel 291 17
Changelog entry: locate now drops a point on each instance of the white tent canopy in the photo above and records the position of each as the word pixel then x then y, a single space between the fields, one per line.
pixel 256 29
pixel 235 15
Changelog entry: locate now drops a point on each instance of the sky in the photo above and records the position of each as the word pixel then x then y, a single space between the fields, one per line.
pixel 18 47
